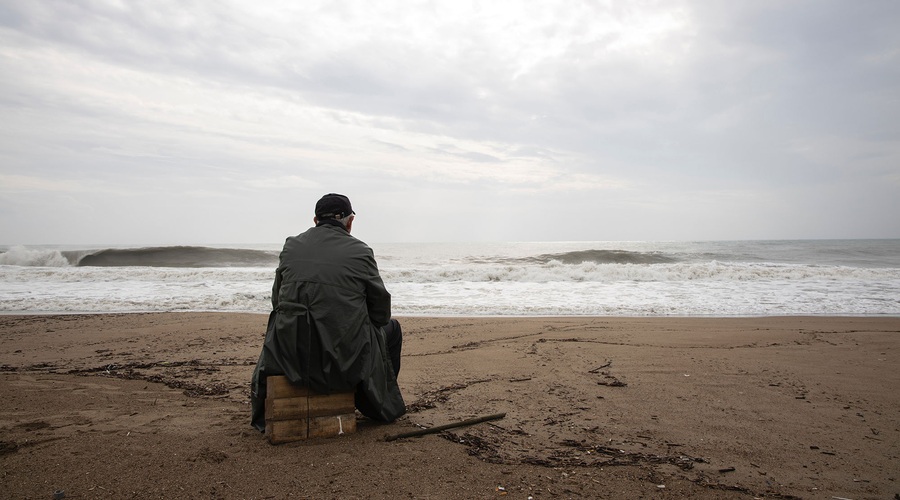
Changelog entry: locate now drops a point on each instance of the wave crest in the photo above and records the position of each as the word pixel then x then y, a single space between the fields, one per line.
pixel 180 256
pixel 603 257
pixel 27 257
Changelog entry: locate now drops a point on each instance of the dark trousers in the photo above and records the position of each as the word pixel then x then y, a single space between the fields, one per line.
pixel 393 337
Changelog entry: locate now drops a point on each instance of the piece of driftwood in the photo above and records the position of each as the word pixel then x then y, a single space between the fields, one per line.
pixel 605 365
pixel 439 428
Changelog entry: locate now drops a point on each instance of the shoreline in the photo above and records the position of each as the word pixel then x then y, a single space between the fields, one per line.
pixel 476 316
pixel 155 405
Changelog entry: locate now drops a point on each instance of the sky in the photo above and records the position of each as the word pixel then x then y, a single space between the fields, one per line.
pixel 197 122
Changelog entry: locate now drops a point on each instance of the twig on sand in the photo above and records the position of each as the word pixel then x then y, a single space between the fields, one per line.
pixel 439 428
pixel 606 365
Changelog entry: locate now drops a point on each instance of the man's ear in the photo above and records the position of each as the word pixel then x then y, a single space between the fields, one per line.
pixel 315 220
pixel 350 223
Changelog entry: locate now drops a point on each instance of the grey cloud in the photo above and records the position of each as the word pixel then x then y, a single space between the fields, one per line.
pixel 746 95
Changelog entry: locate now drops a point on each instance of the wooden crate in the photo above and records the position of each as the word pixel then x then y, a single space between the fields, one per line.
pixel 295 413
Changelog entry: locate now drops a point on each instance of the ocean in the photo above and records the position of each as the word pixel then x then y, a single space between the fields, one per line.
pixel 717 278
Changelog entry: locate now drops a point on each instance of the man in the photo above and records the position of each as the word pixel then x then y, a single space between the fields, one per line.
pixel 330 328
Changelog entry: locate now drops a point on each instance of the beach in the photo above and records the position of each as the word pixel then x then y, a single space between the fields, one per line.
pixel 155 405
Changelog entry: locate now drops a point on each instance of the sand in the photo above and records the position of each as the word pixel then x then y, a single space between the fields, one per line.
pixel 156 406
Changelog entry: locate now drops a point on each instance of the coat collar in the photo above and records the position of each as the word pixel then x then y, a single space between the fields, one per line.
pixel 331 222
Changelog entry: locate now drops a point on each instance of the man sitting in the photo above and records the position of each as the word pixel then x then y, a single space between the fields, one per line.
pixel 330 328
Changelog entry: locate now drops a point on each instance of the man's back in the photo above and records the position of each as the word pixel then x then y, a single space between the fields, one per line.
pixel 339 268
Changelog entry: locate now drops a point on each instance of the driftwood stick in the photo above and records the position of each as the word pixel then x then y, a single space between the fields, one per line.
pixel 606 365
pixel 439 428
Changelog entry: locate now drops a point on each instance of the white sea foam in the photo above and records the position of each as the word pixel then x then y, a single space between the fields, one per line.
pixel 582 272
pixel 749 278
pixel 22 256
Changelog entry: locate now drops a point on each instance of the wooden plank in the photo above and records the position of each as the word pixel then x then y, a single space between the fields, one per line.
pixel 284 431
pixel 332 404
pixel 287 408
pixel 333 425
pixel 310 406
pixel 278 386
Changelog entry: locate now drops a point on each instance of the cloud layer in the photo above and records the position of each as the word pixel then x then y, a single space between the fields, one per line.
pixel 192 122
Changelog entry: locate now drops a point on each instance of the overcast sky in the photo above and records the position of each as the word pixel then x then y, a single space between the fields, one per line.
pixel 195 122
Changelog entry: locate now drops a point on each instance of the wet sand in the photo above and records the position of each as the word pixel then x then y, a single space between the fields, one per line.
pixel 156 406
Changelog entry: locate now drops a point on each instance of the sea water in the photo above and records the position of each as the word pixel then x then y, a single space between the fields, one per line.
pixel 728 278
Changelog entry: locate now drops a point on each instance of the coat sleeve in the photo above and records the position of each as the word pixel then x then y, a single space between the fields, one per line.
pixel 378 300
pixel 276 287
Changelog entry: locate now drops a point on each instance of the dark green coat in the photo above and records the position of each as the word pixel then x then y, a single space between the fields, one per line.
pixel 329 304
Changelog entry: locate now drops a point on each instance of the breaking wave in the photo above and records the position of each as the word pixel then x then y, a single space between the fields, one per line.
pixel 603 257
pixel 21 256
pixel 174 256
pixel 180 256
